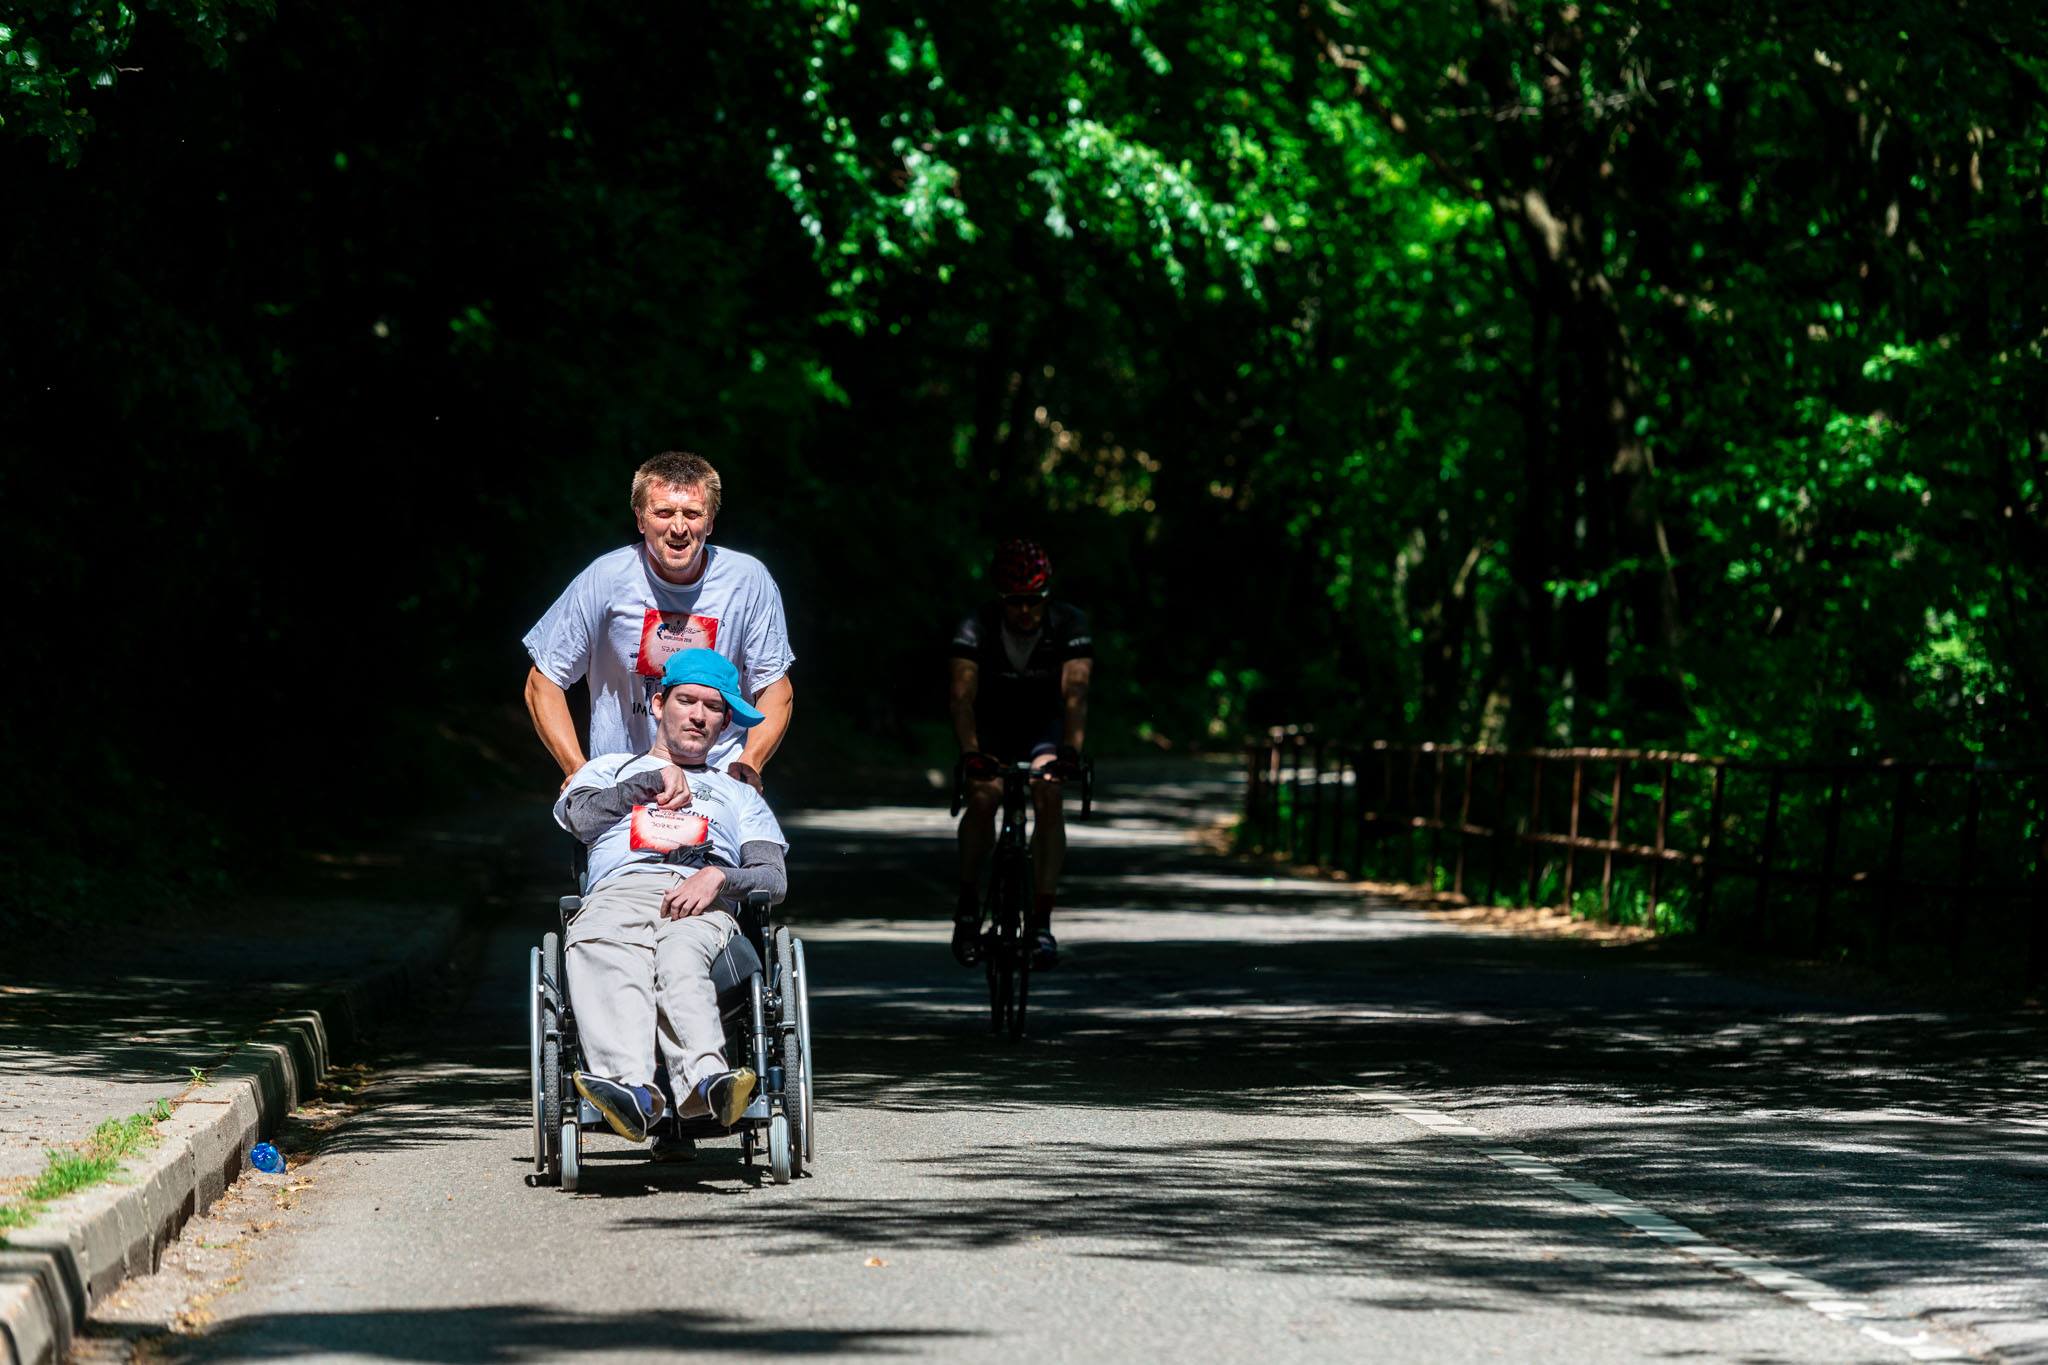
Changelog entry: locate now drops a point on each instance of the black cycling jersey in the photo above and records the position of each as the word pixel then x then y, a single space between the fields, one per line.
pixel 1014 702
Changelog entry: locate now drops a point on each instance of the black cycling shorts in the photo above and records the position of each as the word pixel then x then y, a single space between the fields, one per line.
pixel 1012 739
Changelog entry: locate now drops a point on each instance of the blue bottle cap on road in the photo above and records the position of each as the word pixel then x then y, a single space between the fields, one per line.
pixel 266 1158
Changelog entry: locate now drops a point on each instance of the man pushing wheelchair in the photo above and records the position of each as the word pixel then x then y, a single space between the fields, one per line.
pixel 672 842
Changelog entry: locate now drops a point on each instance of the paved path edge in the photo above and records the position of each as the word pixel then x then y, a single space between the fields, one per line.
pixel 52 1272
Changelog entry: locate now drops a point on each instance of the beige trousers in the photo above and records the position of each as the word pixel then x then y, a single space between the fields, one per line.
pixel 636 979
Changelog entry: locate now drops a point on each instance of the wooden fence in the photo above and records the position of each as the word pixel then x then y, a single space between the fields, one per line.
pixel 1850 856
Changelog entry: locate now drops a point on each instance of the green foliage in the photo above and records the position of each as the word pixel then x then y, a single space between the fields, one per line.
pixel 57 57
pixel 1577 372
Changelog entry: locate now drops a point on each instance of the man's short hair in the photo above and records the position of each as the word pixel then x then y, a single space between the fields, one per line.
pixel 679 469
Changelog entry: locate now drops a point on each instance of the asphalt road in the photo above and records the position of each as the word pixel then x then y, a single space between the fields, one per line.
pixel 1259 1115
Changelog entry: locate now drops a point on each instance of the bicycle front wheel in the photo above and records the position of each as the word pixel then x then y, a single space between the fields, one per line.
pixel 999 974
pixel 1013 946
pixel 1005 918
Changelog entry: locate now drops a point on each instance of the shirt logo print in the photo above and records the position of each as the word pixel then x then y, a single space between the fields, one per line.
pixel 663 633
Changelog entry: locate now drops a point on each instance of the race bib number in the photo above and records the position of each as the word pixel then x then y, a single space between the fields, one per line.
pixel 663 633
pixel 655 830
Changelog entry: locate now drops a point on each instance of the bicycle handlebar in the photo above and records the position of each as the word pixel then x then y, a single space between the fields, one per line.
pixel 1022 771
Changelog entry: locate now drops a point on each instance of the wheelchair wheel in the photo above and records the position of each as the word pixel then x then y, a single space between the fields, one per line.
pixel 803 1037
pixel 795 1103
pixel 778 1149
pixel 572 1154
pixel 548 1121
pixel 789 1040
pixel 533 1042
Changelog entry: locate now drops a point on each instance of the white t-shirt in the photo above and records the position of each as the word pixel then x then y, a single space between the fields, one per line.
pixel 618 622
pixel 723 814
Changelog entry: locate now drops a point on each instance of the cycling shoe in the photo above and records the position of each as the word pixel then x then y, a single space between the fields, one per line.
pixel 967 941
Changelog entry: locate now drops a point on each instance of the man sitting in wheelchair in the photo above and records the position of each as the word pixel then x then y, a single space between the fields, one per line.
pixel 671 842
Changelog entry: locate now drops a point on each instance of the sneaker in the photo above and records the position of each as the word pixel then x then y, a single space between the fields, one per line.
pixel 727 1093
pixel 967 940
pixel 667 1149
pixel 627 1108
pixel 1046 954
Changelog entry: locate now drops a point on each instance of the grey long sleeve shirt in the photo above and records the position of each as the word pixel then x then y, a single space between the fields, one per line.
pixel 590 812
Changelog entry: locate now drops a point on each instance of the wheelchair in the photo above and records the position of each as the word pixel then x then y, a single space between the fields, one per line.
pixel 764 999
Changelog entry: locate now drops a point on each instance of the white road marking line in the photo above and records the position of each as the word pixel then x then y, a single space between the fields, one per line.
pixel 1915 1341
pixel 1902 1334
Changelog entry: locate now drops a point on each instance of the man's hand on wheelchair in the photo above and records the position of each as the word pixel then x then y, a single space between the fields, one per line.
pixel 694 894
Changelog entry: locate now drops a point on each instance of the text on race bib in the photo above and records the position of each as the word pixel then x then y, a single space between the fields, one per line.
pixel 663 633
pixel 655 830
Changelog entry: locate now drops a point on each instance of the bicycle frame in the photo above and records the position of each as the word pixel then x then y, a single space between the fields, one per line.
pixel 1006 955
pixel 1010 886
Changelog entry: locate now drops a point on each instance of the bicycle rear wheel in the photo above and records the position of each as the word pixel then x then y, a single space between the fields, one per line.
pixel 999 964
pixel 1025 945
pixel 1023 996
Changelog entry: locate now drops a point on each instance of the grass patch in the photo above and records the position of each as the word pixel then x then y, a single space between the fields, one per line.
pixel 68 1173
pixel 97 1158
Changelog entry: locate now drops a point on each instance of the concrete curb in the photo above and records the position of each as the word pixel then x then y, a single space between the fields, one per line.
pixel 52 1272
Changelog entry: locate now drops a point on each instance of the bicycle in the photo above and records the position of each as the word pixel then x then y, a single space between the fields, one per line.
pixel 1006 953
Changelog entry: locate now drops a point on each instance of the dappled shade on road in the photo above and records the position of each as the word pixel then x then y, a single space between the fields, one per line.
pixel 1190 1104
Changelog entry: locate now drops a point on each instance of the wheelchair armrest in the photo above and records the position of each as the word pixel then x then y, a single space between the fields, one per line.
pixel 754 915
pixel 571 904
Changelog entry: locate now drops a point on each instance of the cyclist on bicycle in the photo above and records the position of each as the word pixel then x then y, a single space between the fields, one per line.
pixel 1021 667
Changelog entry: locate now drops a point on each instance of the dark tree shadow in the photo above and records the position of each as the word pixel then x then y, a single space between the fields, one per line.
pixel 502 1333
pixel 1880 1149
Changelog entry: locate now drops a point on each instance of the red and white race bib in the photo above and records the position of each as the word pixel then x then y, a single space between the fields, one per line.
pixel 663 633
pixel 655 830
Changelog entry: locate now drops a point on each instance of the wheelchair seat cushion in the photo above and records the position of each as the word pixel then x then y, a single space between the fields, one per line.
pixel 731 969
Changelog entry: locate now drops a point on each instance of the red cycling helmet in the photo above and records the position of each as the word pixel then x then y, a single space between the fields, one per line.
pixel 1022 570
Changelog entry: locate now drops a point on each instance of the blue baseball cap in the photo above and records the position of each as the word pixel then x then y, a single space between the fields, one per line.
pixel 709 668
